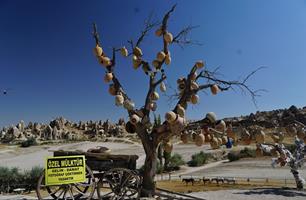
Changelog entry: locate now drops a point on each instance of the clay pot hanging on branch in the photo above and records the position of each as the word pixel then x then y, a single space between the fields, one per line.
pixel 134 119
pixel 194 86
pixel 214 143
pixel 158 32
pixel 119 99
pixel 136 62
pixel 199 64
pixel 180 111
pixel 137 52
pixel 154 96
pixel 160 56
pixel 224 140
pixel 168 37
pixel 98 51
pixel 112 90
pixel 194 99
pixel 221 126
pixel 127 104
pixel 199 139
pixel 168 59
pixel 130 128
pixel 214 89
pixel 108 77
pixel 162 87
pixel 211 116
pixel 105 61
pixel 124 52
pixel 170 117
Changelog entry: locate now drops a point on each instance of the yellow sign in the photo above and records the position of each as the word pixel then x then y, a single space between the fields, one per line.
pixel 64 170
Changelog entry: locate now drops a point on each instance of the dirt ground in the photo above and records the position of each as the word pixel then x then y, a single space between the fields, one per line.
pixel 255 169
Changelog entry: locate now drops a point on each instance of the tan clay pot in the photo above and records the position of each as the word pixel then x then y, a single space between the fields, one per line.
pixel 134 119
pixel 199 64
pixel 119 99
pixel 199 139
pixel 194 86
pixel 214 143
pixel 170 116
pixel 180 111
pixel 168 37
pixel 154 96
pixel 108 77
pixel 124 52
pixel 127 104
pixel 224 140
pixel 137 52
pixel 207 137
pixel 136 62
pixel 98 50
pixel 211 116
pixel 130 128
pixel 160 56
pixel 214 89
pixel 194 99
pixel 158 32
pixel 162 87
pixel 112 90
pixel 168 59
pixel 221 126
pixel 155 64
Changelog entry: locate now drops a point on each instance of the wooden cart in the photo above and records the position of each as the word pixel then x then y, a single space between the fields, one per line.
pixel 110 176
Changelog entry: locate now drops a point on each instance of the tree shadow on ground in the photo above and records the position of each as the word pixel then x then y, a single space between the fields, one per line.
pixel 274 191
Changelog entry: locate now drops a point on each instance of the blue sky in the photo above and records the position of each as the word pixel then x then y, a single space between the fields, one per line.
pixel 46 54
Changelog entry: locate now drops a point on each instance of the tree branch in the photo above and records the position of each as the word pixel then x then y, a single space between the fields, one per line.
pixel 181 38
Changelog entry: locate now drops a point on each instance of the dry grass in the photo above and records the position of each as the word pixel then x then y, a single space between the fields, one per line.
pixel 179 186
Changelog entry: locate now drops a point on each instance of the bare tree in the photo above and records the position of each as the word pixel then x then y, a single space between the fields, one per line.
pixel 199 78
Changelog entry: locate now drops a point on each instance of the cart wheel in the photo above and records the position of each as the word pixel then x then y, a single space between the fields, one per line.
pixel 118 183
pixel 67 191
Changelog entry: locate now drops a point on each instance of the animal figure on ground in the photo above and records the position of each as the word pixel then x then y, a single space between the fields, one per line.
pixel 206 180
pixel 188 180
pixel 230 180
pixel 218 179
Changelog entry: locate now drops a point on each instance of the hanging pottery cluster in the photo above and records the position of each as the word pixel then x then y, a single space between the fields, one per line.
pixel 136 58
pixel 104 60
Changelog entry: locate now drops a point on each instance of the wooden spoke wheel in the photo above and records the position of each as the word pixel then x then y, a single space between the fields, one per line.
pixel 119 183
pixel 73 191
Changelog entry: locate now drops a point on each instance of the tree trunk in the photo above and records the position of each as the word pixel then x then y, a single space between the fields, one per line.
pixel 298 179
pixel 148 184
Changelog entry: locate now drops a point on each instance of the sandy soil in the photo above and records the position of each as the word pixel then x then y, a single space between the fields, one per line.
pixel 26 158
pixel 254 194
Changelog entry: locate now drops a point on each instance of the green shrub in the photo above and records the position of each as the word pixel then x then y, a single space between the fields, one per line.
pixel 233 156
pixel 12 178
pixel 198 159
pixel 244 153
pixel 175 162
pixel 247 153
pixel 29 142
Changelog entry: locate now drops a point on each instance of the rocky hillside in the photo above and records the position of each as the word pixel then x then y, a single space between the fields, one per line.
pixel 271 119
pixel 62 129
